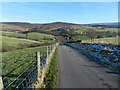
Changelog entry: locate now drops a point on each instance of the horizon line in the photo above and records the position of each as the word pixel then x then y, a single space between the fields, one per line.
pixel 58 21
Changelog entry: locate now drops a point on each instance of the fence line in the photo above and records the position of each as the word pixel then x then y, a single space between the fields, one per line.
pixel 28 77
pixel 39 83
pixel 20 75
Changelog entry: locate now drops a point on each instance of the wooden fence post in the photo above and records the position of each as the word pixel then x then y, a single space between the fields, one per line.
pixel 1 83
pixel 47 52
pixel 38 63
pixel 50 48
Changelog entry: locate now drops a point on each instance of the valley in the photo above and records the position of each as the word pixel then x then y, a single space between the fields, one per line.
pixel 21 41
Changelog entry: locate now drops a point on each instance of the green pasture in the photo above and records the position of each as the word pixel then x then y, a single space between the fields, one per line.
pixel 16 43
pixel 17 61
pixel 80 29
pixel 32 35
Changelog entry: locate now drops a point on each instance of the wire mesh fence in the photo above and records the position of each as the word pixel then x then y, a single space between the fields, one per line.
pixel 27 78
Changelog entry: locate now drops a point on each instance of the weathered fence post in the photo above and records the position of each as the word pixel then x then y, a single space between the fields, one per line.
pixel 47 52
pixel 50 48
pixel 1 83
pixel 38 63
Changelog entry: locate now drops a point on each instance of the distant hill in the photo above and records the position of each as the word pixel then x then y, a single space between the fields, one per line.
pixel 111 24
pixel 16 26
pixel 26 26
pixel 10 27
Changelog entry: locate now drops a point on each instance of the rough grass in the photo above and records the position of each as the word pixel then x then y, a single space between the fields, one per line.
pixel 12 27
pixel 111 40
pixel 50 80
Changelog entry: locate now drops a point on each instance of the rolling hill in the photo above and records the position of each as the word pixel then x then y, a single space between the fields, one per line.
pixel 59 28
pixel 22 26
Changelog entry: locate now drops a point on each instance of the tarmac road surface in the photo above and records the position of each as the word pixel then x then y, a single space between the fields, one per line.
pixel 78 71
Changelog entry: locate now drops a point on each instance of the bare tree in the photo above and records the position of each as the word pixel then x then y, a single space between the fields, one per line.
pixel 92 34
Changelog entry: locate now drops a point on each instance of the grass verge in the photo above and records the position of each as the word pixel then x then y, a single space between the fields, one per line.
pixel 51 76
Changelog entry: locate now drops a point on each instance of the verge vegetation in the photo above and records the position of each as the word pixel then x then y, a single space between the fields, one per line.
pixel 50 80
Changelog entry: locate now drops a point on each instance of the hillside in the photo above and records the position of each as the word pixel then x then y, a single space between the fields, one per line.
pixel 22 26
pixel 10 27
pixel 33 36
pixel 58 29
pixel 10 43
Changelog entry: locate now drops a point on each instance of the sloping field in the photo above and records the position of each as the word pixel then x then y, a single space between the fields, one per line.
pixel 40 36
pixel 33 36
pixel 81 29
pixel 16 43
pixel 13 34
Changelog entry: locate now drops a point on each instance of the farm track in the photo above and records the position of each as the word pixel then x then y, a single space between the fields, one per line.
pixel 78 71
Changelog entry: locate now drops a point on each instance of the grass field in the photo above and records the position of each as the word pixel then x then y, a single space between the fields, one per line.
pixel 79 37
pixel 108 29
pixel 81 29
pixel 111 40
pixel 12 34
pixel 15 62
pixel 33 36
pixel 16 43
pixel 40 36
